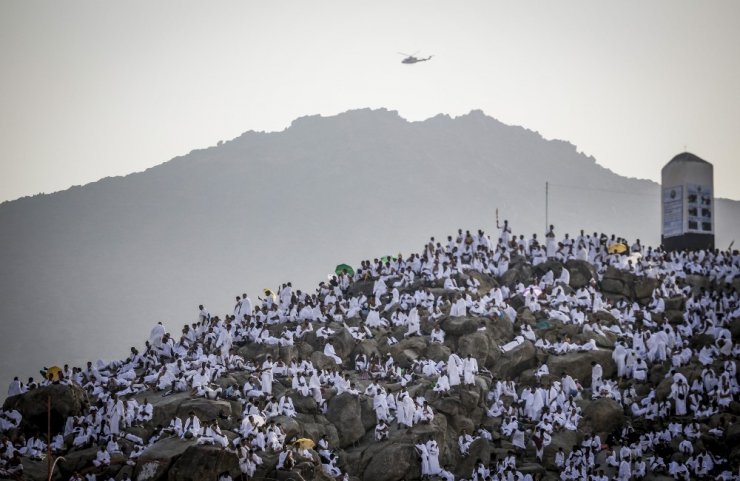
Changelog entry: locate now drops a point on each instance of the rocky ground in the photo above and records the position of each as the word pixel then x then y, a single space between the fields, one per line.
pixel 350 420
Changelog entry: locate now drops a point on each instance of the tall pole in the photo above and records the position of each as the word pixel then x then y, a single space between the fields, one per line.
pixel 48 437
pixel 547 200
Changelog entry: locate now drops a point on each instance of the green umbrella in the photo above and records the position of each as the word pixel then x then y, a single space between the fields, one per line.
pixel 385 259
pixel 344 268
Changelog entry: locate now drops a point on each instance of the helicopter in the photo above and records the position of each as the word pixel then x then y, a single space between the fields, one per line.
pixel 410 59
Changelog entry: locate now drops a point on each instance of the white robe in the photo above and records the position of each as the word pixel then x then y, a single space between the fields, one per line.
pixel 470 368
pixel 454 366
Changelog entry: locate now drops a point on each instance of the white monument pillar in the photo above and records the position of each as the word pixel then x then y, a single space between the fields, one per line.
pixel 687 203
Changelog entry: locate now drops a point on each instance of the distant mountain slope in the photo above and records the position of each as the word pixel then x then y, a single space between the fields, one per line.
pixel 113 257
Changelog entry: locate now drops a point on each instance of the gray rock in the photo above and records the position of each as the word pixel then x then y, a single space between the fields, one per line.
pixel 479 449
pixel 322 361
pixel 205 409
pixel 66 400
pixel 477 344
pixel 458 326
pixel 602 416
pixel 581 273
pixel 550 265
pixel 578 365
pixel 518 273
pixel 203 462
pixel 644 287
pixel 155 461
pixel 394 462
pixel 511 364
pixel 345 414
pixel 438 352
pixel 76 461
pixel 560 439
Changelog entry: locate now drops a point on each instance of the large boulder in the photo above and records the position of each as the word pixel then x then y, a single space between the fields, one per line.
pixel 512 363
pixel 458 326
pixel 518 273
pixel 318 427
pixel 204 462
pixel 368 347
pixel 617 283
pixel 343 343
pixel 438 352
pixel 77 461
pixel 602 416
pixel 59 400
pixel 205 409
pixel 479 449
pixel 477 344
pixel 501 328
pixel 290 426
pixel 394 462
pixel 644 287
pixel 345 413
pixel 581 273
pixel 564 439
pixel 406 351
pixel 304 404
pixel 165 408
pixel 155 461
pixel 675 303
pixel 578 365
pixel 550 265
pixel 607 340
pixel 38 470
pixel 322 361
pixel 487 281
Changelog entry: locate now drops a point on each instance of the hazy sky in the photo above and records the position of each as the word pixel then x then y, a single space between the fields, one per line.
pixel 92 89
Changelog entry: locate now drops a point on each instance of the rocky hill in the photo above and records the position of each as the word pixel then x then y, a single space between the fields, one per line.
pixel 263 208
pixel 497 339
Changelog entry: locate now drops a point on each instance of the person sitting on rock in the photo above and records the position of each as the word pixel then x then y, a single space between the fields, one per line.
pixel 464 441
pixel 113 447
pixel 330 467
pixel 480 471
pixel 174 428
pixel 286 406
pixel 34 447
pixel 286 462
pixel 211 434
pixel 145 412
pixel 102 458
pixel 84 435
pixel 446 474
pixel 437 335
pixel 560 458
pixel 443 383
pixel 192 426
pixel 248 460
pixel 381 430
pixel 424 414
pixel 459 308
pixel 640 370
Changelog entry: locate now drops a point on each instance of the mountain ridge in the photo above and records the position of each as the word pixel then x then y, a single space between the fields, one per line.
pixel 301 122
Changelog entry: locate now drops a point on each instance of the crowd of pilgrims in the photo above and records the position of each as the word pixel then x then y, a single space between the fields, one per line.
pixel 205 350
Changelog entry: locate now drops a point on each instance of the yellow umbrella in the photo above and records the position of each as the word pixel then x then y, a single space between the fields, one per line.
pixel 54 373
pixel 617 248
pixel 305 443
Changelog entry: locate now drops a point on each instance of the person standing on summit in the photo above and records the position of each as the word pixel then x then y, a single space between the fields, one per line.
pixel 550 243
